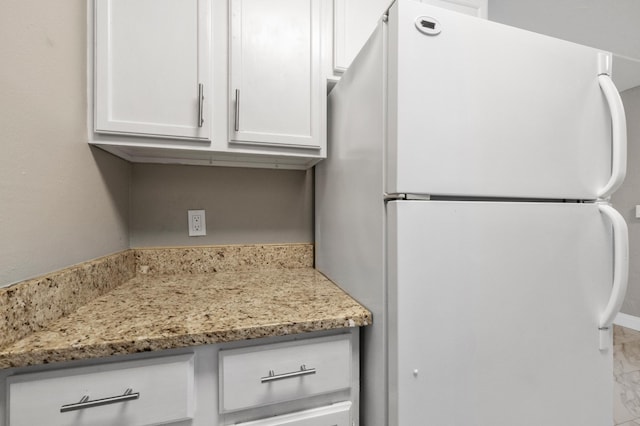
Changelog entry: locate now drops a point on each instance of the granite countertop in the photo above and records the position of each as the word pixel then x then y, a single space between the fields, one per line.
pixel 154 312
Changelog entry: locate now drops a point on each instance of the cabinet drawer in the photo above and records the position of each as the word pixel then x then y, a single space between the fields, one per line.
pixel 137 393
pixel 333 415
pixel 261 375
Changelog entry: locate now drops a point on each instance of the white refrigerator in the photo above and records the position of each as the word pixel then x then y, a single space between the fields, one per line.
pixel 465 202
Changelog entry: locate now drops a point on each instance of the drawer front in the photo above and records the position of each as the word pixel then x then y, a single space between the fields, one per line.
pixel 160 390
pixel 262 375
pixel 334 415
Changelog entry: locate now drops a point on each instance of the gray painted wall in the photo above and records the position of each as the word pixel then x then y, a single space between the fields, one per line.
pixel 606 25
pixel 242 205
pixel 60 201
pixel 628 196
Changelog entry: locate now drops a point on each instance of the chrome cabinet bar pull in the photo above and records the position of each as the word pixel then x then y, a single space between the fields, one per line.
pixel 128 395
pixel 272 377
pixel 237 118
pixel 200 104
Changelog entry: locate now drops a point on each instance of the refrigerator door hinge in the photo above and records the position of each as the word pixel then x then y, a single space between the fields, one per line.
pixel 416 197
pixel 385 15
pixel 604 63
pixel 605 338
pixel 394 197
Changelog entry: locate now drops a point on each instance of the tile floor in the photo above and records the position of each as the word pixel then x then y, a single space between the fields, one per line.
pixel 626 372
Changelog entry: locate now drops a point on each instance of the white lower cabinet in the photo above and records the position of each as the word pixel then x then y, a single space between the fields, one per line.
pixel 301 380
pixel 137 393
pixel 269 374
pixel 334 415
pixel 307 382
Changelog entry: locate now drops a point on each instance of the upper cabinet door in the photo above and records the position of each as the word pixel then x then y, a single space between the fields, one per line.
pixel 275 86
pixel 355 20
pixel 152 68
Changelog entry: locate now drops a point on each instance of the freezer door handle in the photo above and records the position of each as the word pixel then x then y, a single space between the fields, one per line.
pixel 620 270
pixel 618 136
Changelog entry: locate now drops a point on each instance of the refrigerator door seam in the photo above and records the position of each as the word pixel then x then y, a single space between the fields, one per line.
pixel 394 197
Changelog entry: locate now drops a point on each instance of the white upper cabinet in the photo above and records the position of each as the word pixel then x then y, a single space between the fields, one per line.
pixel 152 68
pixel 209 82
pixel 275 85
pixel 355 20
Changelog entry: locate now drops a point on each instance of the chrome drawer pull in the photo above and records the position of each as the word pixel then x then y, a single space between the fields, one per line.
pixel 304 371
pixel 128 395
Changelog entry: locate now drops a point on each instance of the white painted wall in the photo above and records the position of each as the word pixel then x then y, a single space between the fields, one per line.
pixel 60 201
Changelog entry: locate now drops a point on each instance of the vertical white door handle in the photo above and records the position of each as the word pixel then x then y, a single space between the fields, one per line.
pixel 620 268
pixel 618 136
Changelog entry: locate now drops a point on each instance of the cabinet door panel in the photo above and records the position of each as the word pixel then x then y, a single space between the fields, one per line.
pixel 275 63
pixel 334 415
pixel 151 58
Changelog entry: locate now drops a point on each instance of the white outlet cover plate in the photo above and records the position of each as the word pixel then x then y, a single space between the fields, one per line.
pixel 197 223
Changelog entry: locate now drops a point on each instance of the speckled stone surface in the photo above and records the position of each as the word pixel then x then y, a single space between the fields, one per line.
pixel 153 312
pixel 237 258
pixel 31 305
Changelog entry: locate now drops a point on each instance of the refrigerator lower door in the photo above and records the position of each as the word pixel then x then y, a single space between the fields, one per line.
pixel 493 312
pixel 497 110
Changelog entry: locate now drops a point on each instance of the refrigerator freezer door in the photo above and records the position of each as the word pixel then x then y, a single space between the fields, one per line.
pixel 484 109
pixel 493 314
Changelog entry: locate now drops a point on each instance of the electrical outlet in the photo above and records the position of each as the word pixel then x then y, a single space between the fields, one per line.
pixel 197 223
